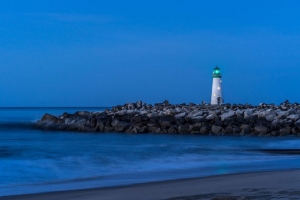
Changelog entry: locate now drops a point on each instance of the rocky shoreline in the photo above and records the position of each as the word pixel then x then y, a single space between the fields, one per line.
pixel 226 119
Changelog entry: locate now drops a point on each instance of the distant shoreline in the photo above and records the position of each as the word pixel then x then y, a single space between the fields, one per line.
pixel 257 185
pixel 225 119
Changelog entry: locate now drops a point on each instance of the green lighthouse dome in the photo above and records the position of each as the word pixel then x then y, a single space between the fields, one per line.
pixel 217 73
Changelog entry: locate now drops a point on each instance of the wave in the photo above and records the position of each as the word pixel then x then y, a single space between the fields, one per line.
pixel 278 151
pixel 17 125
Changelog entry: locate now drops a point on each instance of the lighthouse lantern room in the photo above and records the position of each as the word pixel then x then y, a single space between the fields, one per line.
pixel 216 94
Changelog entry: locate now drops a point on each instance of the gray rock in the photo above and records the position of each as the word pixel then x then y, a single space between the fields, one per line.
pixel 285 131
pixel 269 114
pixel 295 131
pixel 183 128
pixel 114 122
pixel 261 130
pixel 120 126
pixel 283 107
pixel 82 113
pixel 288 123
pixel 144 112
pixel 49 118
pixel 290 112
pixel 80 121
pixel 211 116
pixel 196 118
pixel 109 129
pixel 270 117
pixel 239 112
pixel 216 129
pixel 195 113
pixel 100 126
pixel 151 115
pixel 172 129
pixel 297 123
pixel 245 129
pixel 204 130
pixel 229 130
pixel 179 115
pixel 132 130
pixel 275 123
pixel 248 113
pixel 236 130
pixel 274 133
pixel 195 127
pixel 227 115
pixel 293 117
pixel 178 110
pixel 142 129
pixel 166 124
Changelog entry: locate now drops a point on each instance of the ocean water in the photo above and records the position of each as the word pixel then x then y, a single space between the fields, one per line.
pixel 33 161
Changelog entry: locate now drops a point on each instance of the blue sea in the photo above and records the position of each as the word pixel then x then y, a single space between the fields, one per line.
pixel 33 161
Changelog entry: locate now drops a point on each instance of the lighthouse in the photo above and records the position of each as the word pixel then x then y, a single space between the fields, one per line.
pixel 216 93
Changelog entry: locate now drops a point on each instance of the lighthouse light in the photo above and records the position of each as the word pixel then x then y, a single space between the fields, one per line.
pixel 216 94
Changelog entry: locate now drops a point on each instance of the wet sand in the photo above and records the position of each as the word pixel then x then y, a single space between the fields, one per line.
pixel 261 185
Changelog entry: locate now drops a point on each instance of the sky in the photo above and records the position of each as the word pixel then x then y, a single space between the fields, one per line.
pixel 104 53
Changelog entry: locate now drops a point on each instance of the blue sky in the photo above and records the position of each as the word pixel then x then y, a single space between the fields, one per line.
pixel 102 53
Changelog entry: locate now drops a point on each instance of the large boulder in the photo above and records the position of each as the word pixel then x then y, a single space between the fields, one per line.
pixel 245 129
pixel 226 115
pixel 262 130
pixel 150 115
pixel 211 116
pixel 239 112
pixel 216 129
pixel 172 129
pixel 180 121
pixel 184 128
pixel 248 113
pixel 100 124
pixel 142 129
pixel 108 128
pixel 229 130
pixel 153 129
pixel 297 124
pixel 268 114
pixel 204 129
pixel 49 118
pixel 166 121
pixel 195 114
pixel 195 127
pixel 285 131
pixel 293 117
pixel 180 115
pixel 120 126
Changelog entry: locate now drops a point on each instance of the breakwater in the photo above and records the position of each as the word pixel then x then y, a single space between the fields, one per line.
pixel 226 119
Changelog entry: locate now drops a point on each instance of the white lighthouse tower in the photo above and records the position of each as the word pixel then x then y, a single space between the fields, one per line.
pixel 216 93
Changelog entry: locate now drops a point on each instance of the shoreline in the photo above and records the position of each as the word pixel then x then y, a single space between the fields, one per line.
pixel 267 184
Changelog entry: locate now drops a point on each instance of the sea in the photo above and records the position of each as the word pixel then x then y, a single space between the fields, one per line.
pixel 35 161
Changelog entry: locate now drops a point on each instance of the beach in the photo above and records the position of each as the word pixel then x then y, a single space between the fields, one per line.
pixel 259 185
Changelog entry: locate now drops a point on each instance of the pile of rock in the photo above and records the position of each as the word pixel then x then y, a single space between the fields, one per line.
pixel 227 119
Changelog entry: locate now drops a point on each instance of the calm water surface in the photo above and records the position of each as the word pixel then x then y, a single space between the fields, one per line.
pixel 37 161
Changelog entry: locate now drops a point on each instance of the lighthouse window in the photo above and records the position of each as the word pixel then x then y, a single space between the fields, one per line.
pixel 214 95
pixel 218 88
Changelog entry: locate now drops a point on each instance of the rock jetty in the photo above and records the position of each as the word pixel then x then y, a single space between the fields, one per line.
pixel 226 119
